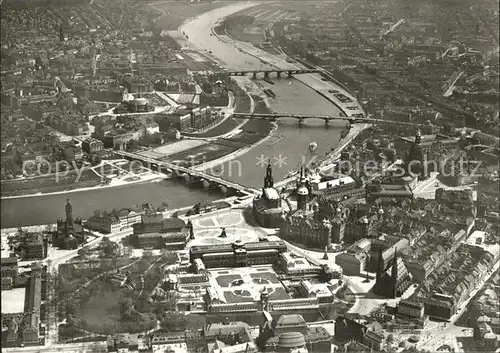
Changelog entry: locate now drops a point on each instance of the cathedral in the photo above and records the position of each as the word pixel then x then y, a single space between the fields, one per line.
pixel 392 282
pixel 267 209
pixel 313 223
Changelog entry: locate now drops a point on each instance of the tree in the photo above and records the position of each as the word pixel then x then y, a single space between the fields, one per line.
pixel 475 139
pixel 168 257
pixel 126 305
pixel 110 249
pixel 132 145
pixel 390 338
pixel 172 321
pixel 72 308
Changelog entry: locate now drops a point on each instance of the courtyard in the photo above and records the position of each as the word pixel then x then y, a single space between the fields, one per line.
pixel 13 300
pixel 246 284
pixel 207 229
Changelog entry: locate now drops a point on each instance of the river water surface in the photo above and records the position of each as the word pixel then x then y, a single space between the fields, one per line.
pixel 287 149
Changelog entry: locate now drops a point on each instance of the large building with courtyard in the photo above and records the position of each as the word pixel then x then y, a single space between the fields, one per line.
pixel 238 254
pixel 22 312
pixel 423 151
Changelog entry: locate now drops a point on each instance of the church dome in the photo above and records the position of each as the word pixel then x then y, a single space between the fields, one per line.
pixel 291 340
pixel 302 191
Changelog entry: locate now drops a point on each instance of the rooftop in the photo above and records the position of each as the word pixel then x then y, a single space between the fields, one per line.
pixel 291 320
pixel 13 300
pixel 291 340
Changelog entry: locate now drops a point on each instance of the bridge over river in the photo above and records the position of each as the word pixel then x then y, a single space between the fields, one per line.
pixel 268 72
pixel 190 175
pixel 327 118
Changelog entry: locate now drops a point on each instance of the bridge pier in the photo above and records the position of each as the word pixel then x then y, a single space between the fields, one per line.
pixel 327 123
pixel 278 74
pixel 266 74
pixel 301 122
pixel 187 179
pixel 289 74
pixel 223 190
pixel 206 184
pixel 254 76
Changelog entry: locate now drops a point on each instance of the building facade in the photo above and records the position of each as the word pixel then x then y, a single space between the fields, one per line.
pixel 238 254
pixel 172 233
pixel 411 308
pixel 267 208
pixel 92 145
pixel 393 282
pixel 114 221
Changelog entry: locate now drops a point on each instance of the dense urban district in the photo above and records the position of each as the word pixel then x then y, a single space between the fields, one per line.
pixel 382 237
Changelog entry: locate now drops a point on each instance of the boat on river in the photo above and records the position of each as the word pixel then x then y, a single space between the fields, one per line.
pixel 313 146
pixel 269 93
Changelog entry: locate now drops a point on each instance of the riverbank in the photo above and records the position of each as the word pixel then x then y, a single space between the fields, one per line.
pixel 145 177
pixel 250 134
pixel 232 156
pixel 344 142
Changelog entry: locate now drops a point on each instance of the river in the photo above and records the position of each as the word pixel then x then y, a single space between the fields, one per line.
pixel 288 148
pixel 47 209
pixel 288 145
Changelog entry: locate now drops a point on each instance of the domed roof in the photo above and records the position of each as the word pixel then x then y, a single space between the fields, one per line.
pixel 291 340
pixel 302 191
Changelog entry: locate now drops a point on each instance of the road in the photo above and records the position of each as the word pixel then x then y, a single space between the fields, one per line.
pixel 94 347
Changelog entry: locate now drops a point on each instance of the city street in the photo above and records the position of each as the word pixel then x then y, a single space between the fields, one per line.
pixel 93 347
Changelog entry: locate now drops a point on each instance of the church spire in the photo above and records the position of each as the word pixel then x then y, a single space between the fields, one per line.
pixel 269 180
pixel 69 213
pixel 394 273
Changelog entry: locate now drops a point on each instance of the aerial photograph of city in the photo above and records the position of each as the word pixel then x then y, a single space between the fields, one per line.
pixel 289 176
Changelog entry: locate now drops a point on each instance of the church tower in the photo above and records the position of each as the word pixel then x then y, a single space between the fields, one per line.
pixel 394 274
pixel 380 269
pixel 418 137
pixel 302 192
pixel 69 213
pixel 269 180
